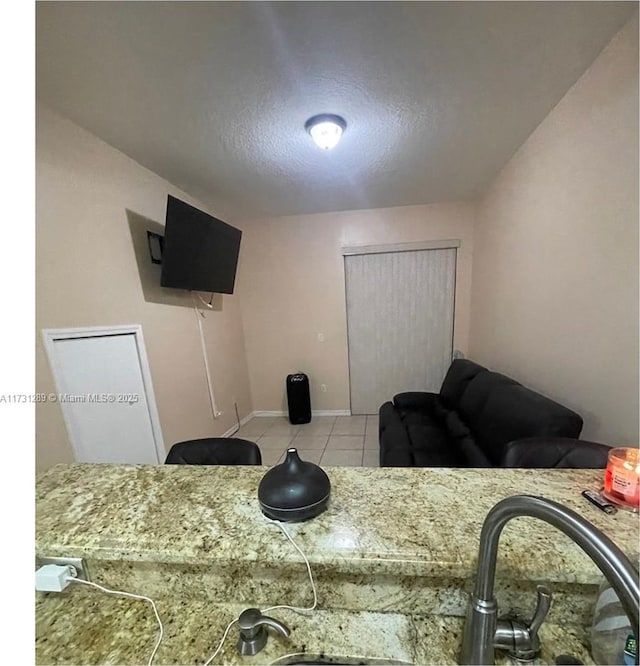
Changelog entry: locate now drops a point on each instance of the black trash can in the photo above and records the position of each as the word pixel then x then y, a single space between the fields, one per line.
pixel 298 398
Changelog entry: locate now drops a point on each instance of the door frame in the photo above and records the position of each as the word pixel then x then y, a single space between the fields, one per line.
pixel 49 337
pixel 448 244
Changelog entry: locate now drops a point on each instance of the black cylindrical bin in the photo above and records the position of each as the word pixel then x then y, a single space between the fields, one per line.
pixel 298 398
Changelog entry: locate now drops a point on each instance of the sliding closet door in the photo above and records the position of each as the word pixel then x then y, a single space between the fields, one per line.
pixel 400 323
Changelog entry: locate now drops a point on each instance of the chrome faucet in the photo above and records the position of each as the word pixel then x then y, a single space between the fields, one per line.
pixel 483 632
pixel 253 635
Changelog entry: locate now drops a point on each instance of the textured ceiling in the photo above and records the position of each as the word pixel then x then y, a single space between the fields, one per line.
pixel 213 96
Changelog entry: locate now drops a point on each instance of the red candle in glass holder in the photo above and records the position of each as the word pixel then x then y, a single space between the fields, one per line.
pixel 622 478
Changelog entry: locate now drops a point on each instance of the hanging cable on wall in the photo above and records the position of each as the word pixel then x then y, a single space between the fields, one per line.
pixel 208 304
pixel 199 317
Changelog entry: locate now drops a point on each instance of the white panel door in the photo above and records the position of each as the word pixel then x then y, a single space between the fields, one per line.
pixel 400 323
pixel 104 398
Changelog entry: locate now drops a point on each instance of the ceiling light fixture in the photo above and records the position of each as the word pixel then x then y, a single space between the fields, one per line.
pixel 326 129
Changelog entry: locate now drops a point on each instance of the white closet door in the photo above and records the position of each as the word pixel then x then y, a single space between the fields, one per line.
pixel 400 323
pixel 105 399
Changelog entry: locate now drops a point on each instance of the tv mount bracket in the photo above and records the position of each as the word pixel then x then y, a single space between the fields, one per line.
pixel 156 246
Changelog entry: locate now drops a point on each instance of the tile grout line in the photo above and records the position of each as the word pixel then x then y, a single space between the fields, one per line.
pixel 292 436
pixel 326 445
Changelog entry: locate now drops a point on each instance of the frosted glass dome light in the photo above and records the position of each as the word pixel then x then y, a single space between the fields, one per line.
pixel 326 129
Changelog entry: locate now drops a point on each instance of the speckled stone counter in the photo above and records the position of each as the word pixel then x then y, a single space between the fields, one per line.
pixel 414 522
pixel 397 544
pixel 124 631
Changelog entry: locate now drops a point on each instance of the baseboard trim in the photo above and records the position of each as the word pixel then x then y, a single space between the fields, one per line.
pixel 315 412
pixel 259 413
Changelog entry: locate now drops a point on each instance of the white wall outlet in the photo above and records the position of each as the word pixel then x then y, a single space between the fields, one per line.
pixel 323 388
pixel 79 565
pixel 320 337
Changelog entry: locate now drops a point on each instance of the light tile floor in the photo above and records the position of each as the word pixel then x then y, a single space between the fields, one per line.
pixel 349 441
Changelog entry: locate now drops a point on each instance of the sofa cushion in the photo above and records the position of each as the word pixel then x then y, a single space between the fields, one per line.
pixel 420 445
pixel 512 412
pixel 421 419
pixel 466 447
pixel 477 393
pixel 420 408
pixel 431 447
pixel 460 373
pixel 415 400
pixel 456 428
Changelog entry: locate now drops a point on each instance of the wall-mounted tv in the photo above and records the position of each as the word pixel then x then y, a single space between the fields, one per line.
pixel 200 252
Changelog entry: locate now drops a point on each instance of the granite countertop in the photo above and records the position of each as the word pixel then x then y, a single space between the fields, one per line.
pixel 124 631
pixel 421 521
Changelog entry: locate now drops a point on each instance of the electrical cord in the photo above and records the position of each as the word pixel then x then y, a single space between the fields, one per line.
pixel 293 608
pixel 207 305
pixel 133 596
pixel 199 317
pixel 235 404
pixel 306 561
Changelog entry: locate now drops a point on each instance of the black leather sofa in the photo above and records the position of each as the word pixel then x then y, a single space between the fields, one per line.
pixel 479 419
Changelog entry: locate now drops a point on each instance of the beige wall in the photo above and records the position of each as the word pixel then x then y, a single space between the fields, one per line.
pixel 92 203
pixel 292 288
pixel 555 266
pixel 555 272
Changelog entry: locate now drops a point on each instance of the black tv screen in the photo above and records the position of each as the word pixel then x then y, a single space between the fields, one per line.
pixel 200 252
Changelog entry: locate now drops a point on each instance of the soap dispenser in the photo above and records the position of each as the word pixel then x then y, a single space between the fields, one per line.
pixel 295 490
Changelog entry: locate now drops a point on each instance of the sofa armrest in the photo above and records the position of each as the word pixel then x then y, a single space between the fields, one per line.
pixel 416 400
pixel 559 452
pixel 395 447
pixel 387 415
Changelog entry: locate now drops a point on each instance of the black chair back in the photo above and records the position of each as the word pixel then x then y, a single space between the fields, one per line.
pixel 214 451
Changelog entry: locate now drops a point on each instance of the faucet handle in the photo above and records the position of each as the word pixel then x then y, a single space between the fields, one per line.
pixel 519 638
pixel 542 609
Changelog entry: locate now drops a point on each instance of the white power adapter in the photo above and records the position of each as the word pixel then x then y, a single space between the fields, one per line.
pixel 54 577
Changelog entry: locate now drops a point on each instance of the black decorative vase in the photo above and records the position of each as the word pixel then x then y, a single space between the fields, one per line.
pixel 294 490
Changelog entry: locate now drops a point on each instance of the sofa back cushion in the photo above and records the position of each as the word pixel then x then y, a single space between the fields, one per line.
pixel 512 412
pixel 478 391
pixel 460 373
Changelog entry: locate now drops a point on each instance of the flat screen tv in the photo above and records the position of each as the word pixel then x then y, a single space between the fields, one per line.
pixel 200 252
